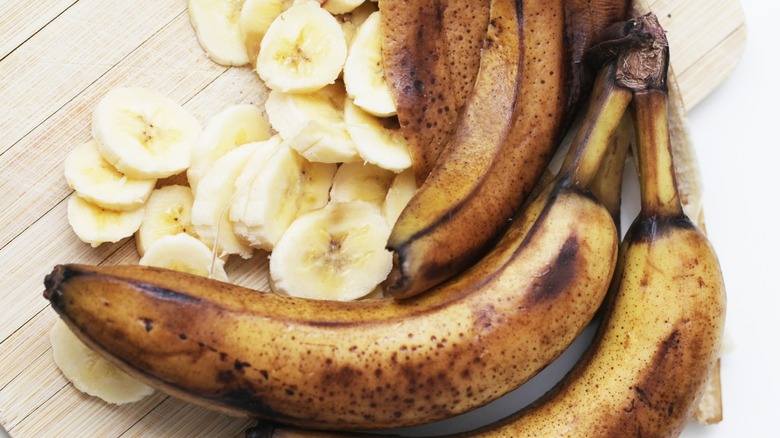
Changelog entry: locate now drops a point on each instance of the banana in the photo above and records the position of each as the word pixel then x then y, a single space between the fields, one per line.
pixel 211 205
pixel 143 133
pixel 98 182
pixel 254 20
pixel 276 186
pixel 218 30
pixel 333 253
pixel 416 67
pixel 184 253
pixel 313 124
pixel 350 22
pixel 400 192
pixel 168 211
pixel 511 117
pixel 96 225
pixel 662 330
pixel 91 373
pixel 379 141
pixel 303 50
pixel 361 182
pixel 367 364
pixel 228 129
pixel 364 75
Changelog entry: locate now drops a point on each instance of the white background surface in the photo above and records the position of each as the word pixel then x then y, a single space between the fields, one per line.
pixel 736 132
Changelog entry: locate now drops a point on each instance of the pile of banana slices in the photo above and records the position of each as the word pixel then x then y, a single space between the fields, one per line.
pixel 316 176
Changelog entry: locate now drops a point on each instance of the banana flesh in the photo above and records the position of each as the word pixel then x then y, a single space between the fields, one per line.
pixel 476 186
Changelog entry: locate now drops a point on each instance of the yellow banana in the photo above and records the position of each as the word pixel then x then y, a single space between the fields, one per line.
pixel 506 133
pixel 373 363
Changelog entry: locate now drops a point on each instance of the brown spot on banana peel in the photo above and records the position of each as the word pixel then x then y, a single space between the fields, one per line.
pixel 438 354
pixel 491 164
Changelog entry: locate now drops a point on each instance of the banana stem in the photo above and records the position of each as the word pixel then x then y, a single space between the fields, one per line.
pixel 607 105
pixel 658 184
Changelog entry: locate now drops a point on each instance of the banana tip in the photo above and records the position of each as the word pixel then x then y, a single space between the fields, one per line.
pixel 52 283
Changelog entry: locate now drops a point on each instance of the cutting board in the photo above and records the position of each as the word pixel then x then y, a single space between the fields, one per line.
pixel 57 57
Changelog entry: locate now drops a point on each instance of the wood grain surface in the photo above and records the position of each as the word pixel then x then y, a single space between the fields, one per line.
pixel 57 58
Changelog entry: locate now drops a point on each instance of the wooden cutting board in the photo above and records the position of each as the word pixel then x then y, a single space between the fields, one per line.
pixel 57 57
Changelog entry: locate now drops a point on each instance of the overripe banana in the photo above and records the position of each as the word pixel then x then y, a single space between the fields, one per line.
pixel 477 184
pixel 373 363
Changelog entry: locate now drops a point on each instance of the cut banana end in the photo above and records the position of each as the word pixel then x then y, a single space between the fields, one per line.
pixel 211 205
pixel 378 141
pixel 254 20
pixel 89 372
pixel 216 24
pixel 96 225
pixel 400 193
pixel 184 253
pixel 313 124
pixel 168 211
pixel 364 75
pixel 273 190
pixel 361 182
pixel 232 127
pixel 97 181
pixel 143 133
pixel 350 22
pixel 303 50
pixel 334 253
pixel 341 6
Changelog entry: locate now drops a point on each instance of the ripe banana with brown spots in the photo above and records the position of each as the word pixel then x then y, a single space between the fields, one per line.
pixel 371 364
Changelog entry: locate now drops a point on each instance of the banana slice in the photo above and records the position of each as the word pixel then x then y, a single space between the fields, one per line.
pixel 168 211
pixel 271 195
pixel 89 372
pixel 255 19
pixel 98 182
pixel 216 24
pixel 96 225
pixel 350 22
pixel 401 191
pixel 361 182
pixel 184 253
pixel 378 140
pixel 143 133
pixel 303 50
pixel 313 124
pixel 228 129
pixel 364 74
pixel 334 253
pixel 210 208
pixel 341 6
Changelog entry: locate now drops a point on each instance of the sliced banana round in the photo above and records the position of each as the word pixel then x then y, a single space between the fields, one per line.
pixel 303 50
pixel 97 181
pixel 361 182
pixel 211 205
pixel 89 372
pixel 270 196
pixel 143 133
pixel 168 211
pixel 228 129
pixel 341 6
pixel 364 74
pixel 184 253
pixel 313 124
pixel 399 194
pixel 378 140
pixel 96 225
pixel 334 253
pixel 255 19
pixel 216 24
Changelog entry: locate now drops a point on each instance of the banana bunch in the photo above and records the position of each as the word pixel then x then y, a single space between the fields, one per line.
pixel 663 320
